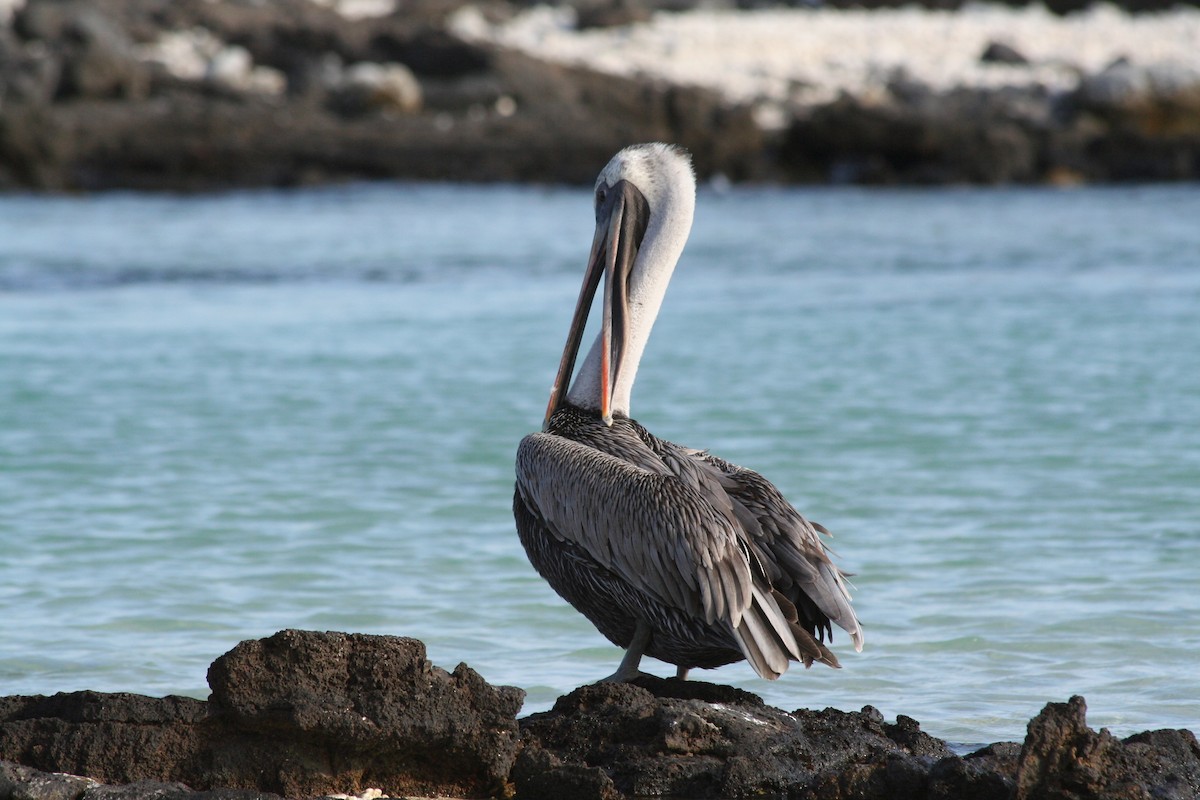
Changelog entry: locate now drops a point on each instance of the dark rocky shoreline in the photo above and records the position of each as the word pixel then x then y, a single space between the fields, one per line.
pixel 82 109
pixel 294 93
pixel 304 714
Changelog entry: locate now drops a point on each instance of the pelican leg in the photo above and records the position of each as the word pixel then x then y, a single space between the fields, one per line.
pixel 681 673
pixel 633 655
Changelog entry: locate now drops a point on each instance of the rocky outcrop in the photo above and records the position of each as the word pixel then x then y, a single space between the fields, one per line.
pixel 1123 124
pixel 198 95
pixel 1064 759
pixel 111 738
pixel 916 136
pixel 194 95
pixel 687 739
pixel 305 714
pixel 300 714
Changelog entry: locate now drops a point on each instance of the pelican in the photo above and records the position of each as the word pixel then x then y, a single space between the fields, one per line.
pixel 669 551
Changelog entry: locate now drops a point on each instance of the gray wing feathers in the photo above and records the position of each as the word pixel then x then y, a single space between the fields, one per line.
pixel 643 526
pixel 692 531
pixel 786 544
pixel 796 549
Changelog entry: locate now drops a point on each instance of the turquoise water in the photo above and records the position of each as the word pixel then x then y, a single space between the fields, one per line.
pixel 222 416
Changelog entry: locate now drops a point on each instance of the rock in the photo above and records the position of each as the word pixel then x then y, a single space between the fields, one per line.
pixel 234 68
pixel 1001 53
pixel 113 738
pixel 611 14
pixel 19 782
pixel 430 52
pixel 155 790
pixel 1064 759
pixel 571 116
pixel 193 95
pixel 955 778
pixel 96 54
pixel 1144 122
pixel 1121 85
pixel 300 714
pixel 541 775
pixel 282 34
pixel 253 94
pixel 364 88
pixel 304 714
pixel 300 702
pixel 23 783
pixel 692 739
pixel 29 72
pixel 185 54
pixel 917 136
pixel 197 55
pixel 1156 97
pixel 99 60
pixel 702 741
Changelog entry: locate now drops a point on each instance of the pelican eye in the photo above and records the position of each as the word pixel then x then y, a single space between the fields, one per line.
pixel 601 195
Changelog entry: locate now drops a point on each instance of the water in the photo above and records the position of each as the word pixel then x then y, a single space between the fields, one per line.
pixel 222 416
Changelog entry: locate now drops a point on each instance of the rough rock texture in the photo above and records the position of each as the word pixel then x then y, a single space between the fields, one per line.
pixel 304 714
pixel 113 738
pixel 1064 759
pixel 299 714
pixel 18 782
pixel 697 740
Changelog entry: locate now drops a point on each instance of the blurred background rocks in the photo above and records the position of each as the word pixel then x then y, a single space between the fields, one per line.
pixel 198 95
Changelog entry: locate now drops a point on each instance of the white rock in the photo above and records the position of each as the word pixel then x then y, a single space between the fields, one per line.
pixel 184 54
pixel 505 105
pixel 196 54
pixel 8 8
pixel 813 55
pixel 384 86
pixel 233 66
pixel 360 9
pixel 229 65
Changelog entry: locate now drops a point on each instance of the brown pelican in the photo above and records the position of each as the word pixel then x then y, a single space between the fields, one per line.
pixel 669 551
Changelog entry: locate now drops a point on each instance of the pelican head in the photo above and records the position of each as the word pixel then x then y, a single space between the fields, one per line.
pixel 645 198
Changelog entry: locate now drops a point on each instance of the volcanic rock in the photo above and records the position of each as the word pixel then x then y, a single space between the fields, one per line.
pixel 1064 759
pixel 304 714
pixel 692 739
pixel 299 714
pixel 335 712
